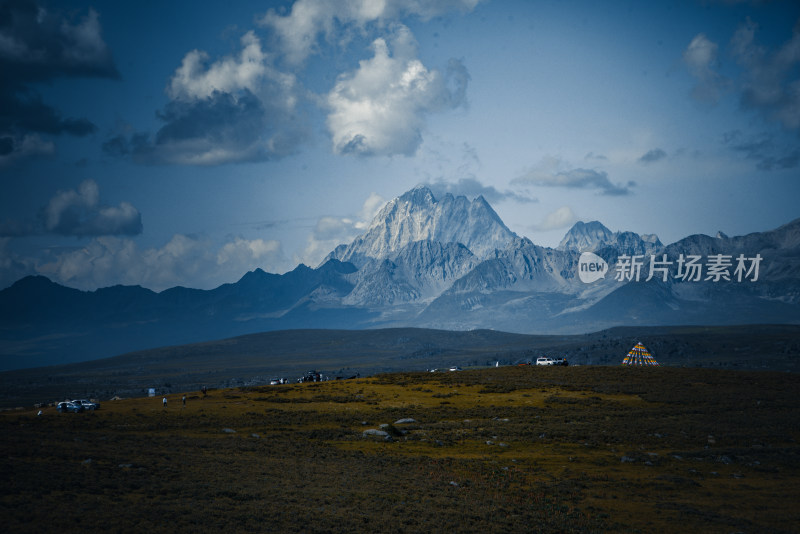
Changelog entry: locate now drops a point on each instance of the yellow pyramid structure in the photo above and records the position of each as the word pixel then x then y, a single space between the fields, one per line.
pixel 638 355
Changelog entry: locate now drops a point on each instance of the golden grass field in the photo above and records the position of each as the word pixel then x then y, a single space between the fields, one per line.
pixel 511 449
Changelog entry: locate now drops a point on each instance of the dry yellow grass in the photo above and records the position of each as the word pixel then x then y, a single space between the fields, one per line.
pixel 509 449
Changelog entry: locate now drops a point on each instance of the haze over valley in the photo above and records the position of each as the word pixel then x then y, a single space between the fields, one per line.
pixel 449 264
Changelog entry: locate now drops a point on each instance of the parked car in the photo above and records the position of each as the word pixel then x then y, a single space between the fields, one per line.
pixel 560 361
pixel 545 361
pixel 68 406
pixel 87 405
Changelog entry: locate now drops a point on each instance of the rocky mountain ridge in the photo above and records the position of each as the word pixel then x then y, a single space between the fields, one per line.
pixel 449 263
pixel 418 216
pixel 591 236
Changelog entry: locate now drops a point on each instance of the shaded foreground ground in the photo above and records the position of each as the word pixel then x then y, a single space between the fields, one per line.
pixel 578 449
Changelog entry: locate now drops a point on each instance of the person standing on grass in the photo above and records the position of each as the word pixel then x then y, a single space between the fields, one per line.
pixel 164 402
pixel 184 400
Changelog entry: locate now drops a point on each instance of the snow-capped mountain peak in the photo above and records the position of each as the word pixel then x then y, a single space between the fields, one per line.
pixel 592 236
pixel 448 263
pixel 418 216
pixel 586 236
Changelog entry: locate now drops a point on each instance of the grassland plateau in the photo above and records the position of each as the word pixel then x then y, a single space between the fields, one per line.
pixel 255 359
pixel 508 449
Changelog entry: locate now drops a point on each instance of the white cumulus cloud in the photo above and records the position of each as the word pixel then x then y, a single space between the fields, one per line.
pixel 197 78
pixel 107 261
pixel 237 108
pixel 330 231
pixel 560 218
pixel 242 251
pixel 300 29
pixel 370 209
pixel 380 108
pixel 78 212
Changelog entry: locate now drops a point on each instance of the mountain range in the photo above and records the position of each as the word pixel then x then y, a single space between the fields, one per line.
pixel 448 263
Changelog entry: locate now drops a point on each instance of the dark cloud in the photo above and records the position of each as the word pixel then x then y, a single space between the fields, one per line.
pixel 768 153
pixel 358 145
pixel 24 111
pixel 472 188
pixel 576 179
pixel 38 45
pixel 221 118
pixel 78 213
pixel 16 147
pixel 238 108
pixel 221 128
pixel 651 156
pixel 770 80
pixel 98 221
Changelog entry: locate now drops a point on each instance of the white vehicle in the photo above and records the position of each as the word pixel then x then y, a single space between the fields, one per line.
pixel 545 361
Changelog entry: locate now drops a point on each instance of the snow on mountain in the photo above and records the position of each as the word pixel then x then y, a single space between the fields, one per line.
pixel 586 236
pixel 593 236
pixel 449 263
pixel 522 266
pixel 418 271
pixel 416 247
pixel 418 216
pixel 779 267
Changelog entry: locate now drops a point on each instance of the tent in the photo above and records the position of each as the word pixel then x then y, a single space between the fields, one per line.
pixel 638 355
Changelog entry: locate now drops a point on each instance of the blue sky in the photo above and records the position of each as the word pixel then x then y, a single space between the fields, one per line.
pixel 177 143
